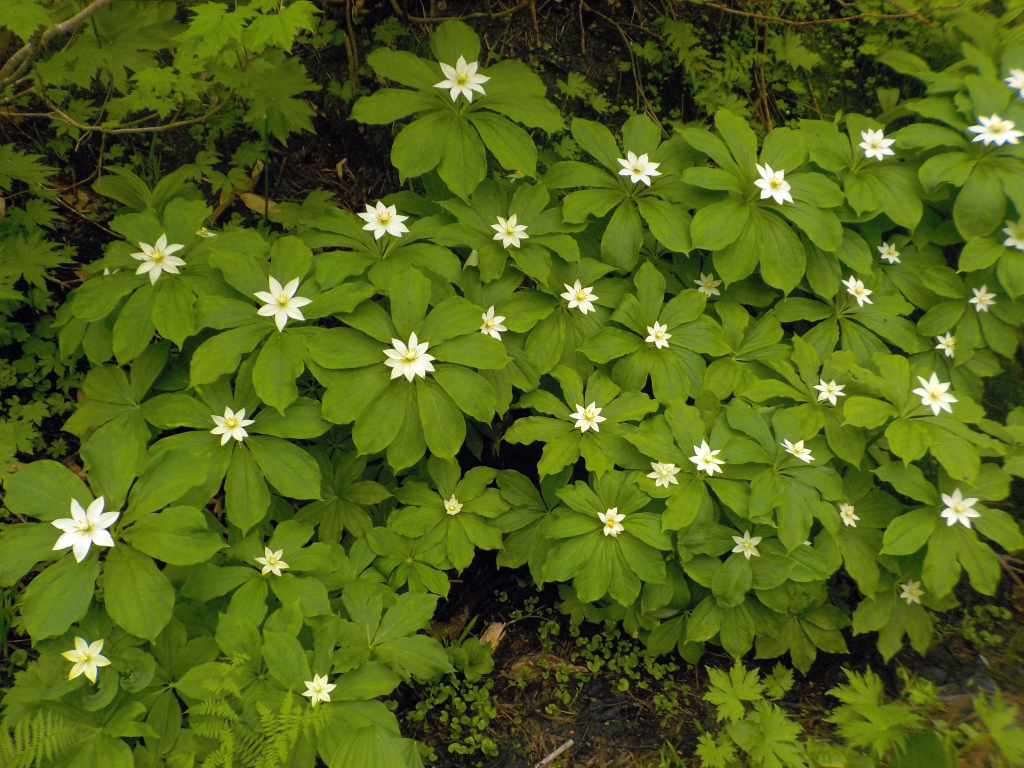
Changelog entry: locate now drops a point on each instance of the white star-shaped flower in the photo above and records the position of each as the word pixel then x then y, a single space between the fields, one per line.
pixel 453 506
pixel 205 232
pixel 515 176
pixel 658 334
pixel 318 689
pixel 912 592
pixel 157 258
pixel 982 299
pixel 708 285
pixel 995 130
pixel 773 184
pixel 934 395
pixel 86 658
pixel 383 218
pixel 462 78
pixel 612 521
pixel 509 232
pixel 409 360
pixel 281 303
pixel 797 449
pixel 889 253
pixel 1014 235
pixel 638 168
pixel 581 297
pixel 85 528
pixel 747 545
pixel 875 144
pixel 705 458
pixel 663 474
pixel 587 418
pixel 830 391
pixel 856 288
pixel 847 515
pixel 492 325
pixel 231 425
pixel 272 562
pixel 958 509
pixel 947 344
pixel 1016 80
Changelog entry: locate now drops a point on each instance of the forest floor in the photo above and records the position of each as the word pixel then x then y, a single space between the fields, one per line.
pixel 551 684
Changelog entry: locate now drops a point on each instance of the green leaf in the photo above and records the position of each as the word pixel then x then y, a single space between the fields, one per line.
pixel 732 581
pixel 174 310
pixel 379 422
pixel 286 466
pixel 178 535
pixel 59 596
pixel 908 533
pixel 464 161
pixel 867 412
pixel 717 225
pixel 510 144
pixel 166 479
pixel 417 148
pixel 410 613
pixel 388 105
pixel 137 595
pixel 476 350
pixel 222 353
pixel 44 490
pixel 246 497
pixel 598 141
pixel 111 457
pixel 620 243
pixel 908 480
pixel 286 661
pixel 280 362
pixel 444 427
pixel 669 223
pixel 980 207
pixel 470 391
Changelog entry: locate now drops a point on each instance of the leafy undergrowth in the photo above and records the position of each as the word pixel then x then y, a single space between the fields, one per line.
pixel 552 682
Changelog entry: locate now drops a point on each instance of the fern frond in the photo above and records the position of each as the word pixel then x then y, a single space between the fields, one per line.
pixel 39 738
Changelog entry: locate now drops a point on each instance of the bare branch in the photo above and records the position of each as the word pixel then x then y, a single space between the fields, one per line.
pixel 24 56
pixel 438 19
pixel 836 20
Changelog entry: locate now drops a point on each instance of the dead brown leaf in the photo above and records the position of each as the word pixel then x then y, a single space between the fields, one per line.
pixel 493 634
pixel 258 204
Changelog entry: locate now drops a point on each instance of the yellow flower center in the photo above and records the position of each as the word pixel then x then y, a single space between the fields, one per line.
pixel 581 295
pixel 462 78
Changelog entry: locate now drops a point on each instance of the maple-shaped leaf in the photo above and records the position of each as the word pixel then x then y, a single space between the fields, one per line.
pixel 17 166
pixel 29 258
pixel 24 17
pixel 864 720
pixel 779 682
pixel 715 754
pixel 729 691
pixel 791 49
pixel 769 737
pixel 212 28
pixel 272 103
pixel 279 29
pixel 1000 718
